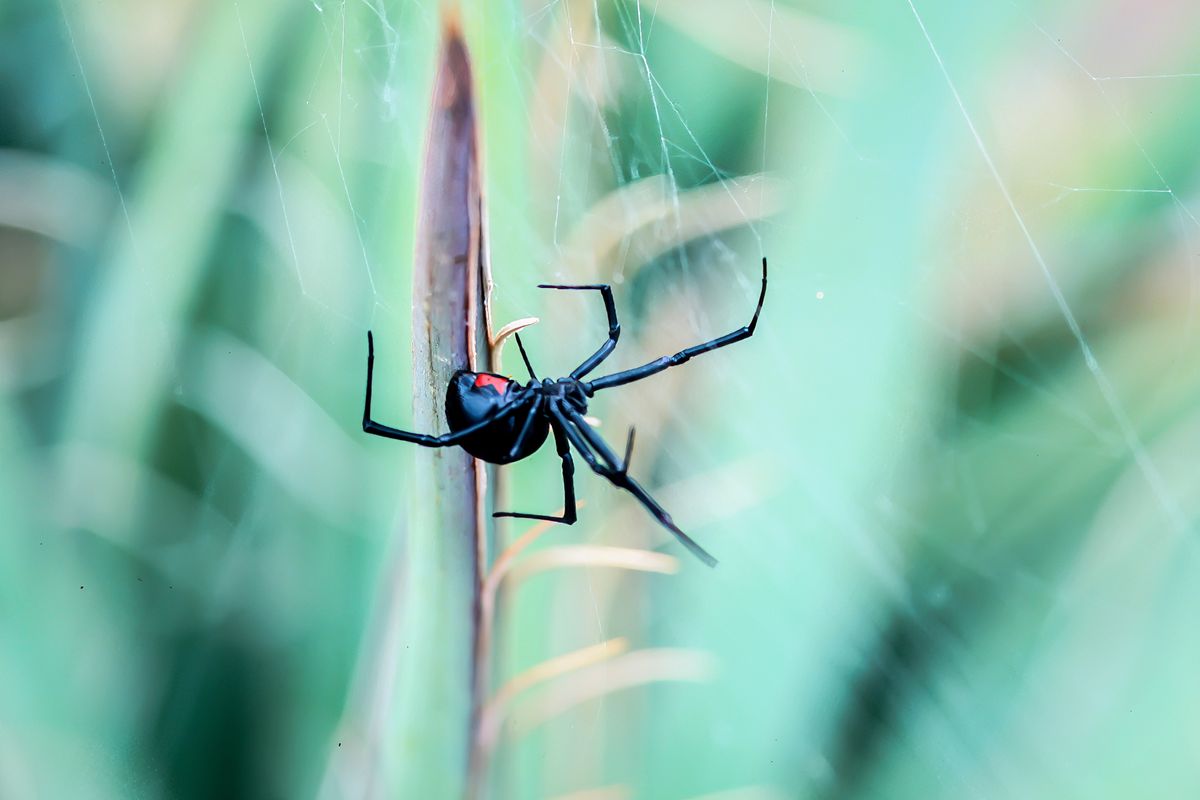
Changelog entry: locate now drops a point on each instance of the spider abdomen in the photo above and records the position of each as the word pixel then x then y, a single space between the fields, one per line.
pixel 476 396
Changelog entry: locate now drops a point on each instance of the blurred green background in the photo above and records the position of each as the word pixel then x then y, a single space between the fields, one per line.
pixel 952 481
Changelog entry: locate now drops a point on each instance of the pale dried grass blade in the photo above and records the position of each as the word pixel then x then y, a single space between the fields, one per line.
pixel 506 559
pixel 502 336
pixel 590 555
pixel 494 711
pixel 487 613
pixel 624 672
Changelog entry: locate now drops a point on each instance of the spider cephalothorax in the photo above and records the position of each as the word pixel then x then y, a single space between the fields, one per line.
pixel 499 420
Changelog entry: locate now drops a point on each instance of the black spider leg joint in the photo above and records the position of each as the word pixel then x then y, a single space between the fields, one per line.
pixel 535 411
pixel 614 327
pixel 628 450
pixel 683 356
pixel 564 417
pixel 424 439
pixel 604 462
pixel 568 475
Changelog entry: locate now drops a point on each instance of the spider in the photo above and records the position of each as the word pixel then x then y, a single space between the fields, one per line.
pixel 498 420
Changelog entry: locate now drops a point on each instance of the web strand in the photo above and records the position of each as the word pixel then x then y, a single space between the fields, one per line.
pixel 1149 470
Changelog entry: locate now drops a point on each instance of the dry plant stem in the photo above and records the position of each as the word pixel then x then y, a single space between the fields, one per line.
pixel 439 676
pixel 487 619
pixel 505 560
pixel 501 336
pixel 494 712
pixel 623 672
pixel 588 555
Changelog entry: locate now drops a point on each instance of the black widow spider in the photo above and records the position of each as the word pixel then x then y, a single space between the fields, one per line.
pixel 496 419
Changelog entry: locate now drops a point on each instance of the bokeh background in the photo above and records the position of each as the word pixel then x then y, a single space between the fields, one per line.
pixel 953 481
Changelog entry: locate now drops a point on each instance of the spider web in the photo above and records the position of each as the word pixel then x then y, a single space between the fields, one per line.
pixel 931 184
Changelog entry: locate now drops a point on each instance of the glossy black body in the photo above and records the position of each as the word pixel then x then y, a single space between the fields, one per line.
pixel 470 402
pixel 500 421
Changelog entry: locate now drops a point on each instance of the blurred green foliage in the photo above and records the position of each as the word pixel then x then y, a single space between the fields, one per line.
pixel 952 481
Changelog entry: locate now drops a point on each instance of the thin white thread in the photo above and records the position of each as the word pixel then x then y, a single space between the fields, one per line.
pixel 87 89
pixel 262 115
pixel 1149 470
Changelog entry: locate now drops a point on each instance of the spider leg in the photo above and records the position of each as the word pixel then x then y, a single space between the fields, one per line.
pixel 658 365
pixel 568 475
pixel 423 439
pixel 534 411
pixel 525 358
pixel 614 327
pixel 607 466
pixel 628 451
